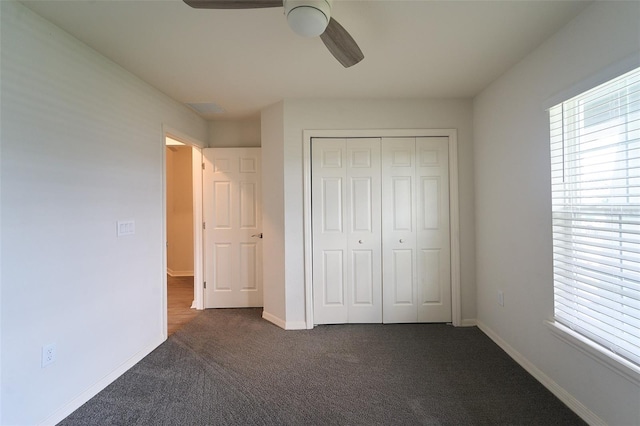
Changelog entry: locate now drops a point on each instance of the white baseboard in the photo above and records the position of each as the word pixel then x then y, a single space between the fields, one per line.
pixel 85 396
pixel 173 273
pixel 569 400
pixel 468 323
pixel 296 325
pixel 274 319
pixel 291 325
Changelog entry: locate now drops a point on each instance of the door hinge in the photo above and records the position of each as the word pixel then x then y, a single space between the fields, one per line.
pixel 204 225
pixel 205 284
pixel 202 166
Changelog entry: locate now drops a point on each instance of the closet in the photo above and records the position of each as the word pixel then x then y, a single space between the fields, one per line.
pixel 380 229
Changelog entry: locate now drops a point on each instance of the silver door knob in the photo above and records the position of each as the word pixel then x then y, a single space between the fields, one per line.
pixel 401 240
pixel 360 241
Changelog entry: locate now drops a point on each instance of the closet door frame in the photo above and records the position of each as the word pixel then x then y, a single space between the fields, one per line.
pixel 454 224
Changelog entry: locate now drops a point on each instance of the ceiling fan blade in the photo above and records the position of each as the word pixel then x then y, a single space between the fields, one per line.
pixel 341 45
pixel 233 4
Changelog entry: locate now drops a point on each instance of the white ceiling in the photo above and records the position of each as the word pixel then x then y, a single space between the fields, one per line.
pixel 245 60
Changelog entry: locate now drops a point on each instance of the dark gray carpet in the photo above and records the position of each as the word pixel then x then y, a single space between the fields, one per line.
pixel 232 367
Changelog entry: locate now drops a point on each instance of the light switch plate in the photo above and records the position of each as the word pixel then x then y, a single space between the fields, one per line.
pixel 126 227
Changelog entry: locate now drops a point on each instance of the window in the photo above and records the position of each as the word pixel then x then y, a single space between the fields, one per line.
pixel 595 178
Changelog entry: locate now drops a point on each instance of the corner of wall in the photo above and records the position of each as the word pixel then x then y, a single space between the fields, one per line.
pixel 272 135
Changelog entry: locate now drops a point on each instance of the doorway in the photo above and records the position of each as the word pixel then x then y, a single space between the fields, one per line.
pixel 179 192
pixel 182 266
pixel 180 253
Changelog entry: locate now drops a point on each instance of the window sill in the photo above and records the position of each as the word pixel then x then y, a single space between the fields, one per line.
pixel 616 363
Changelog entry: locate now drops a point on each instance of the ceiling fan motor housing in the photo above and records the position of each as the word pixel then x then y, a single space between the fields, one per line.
pixel 308 18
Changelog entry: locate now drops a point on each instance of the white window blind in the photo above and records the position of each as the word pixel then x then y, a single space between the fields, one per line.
pixel 595 177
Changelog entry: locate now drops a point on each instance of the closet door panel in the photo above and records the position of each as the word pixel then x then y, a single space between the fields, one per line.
pixel 332 285
pixel 364 291
pixel 429 273
pixel 401 203
pixel 399 230
pixel 346 231
pixel 329 233
pixel 332 200
pixel 402 281
pixel 434 272
pixel 430 203
pixel 362 278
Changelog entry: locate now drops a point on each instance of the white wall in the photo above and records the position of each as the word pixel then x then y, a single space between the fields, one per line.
pixel 302 115
pixel 513 205
pixel 235 133
pixel 273 245
pixel 82 147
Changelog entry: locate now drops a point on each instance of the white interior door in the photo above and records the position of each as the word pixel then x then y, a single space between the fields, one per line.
pixel 416 238
pixel 233 222
pixel 346 224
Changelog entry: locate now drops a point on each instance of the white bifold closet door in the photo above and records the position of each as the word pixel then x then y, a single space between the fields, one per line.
pixel 380 223
pixel 415 230
pixel 346 231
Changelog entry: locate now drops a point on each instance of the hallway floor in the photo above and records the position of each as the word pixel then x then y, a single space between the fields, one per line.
pixel 179 300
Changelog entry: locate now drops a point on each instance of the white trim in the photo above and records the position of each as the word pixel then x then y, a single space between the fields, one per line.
pixel 198 237
pixel 291 325
pixel 452 134
pixel 173 273
pixel 454 226
pixel 615 363
pixel 468 323
pixel 609 73
pixel 274 320
pixel 295 325
pixel 61 413
pixel 163 291
pixel 180 137
pixel 307 232
pixel 569 400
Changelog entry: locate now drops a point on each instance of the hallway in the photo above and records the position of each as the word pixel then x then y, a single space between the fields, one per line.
pixel 179 300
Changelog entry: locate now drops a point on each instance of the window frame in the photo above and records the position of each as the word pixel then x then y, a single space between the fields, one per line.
pixel 625 367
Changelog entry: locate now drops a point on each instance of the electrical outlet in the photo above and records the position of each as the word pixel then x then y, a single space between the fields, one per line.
pixel 48 354
pixel 500 298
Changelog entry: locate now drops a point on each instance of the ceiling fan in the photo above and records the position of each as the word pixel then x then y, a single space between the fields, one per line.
pixel 309 18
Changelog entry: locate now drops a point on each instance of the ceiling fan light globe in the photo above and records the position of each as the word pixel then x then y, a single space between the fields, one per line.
pixel 308 18
pixel 307 21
